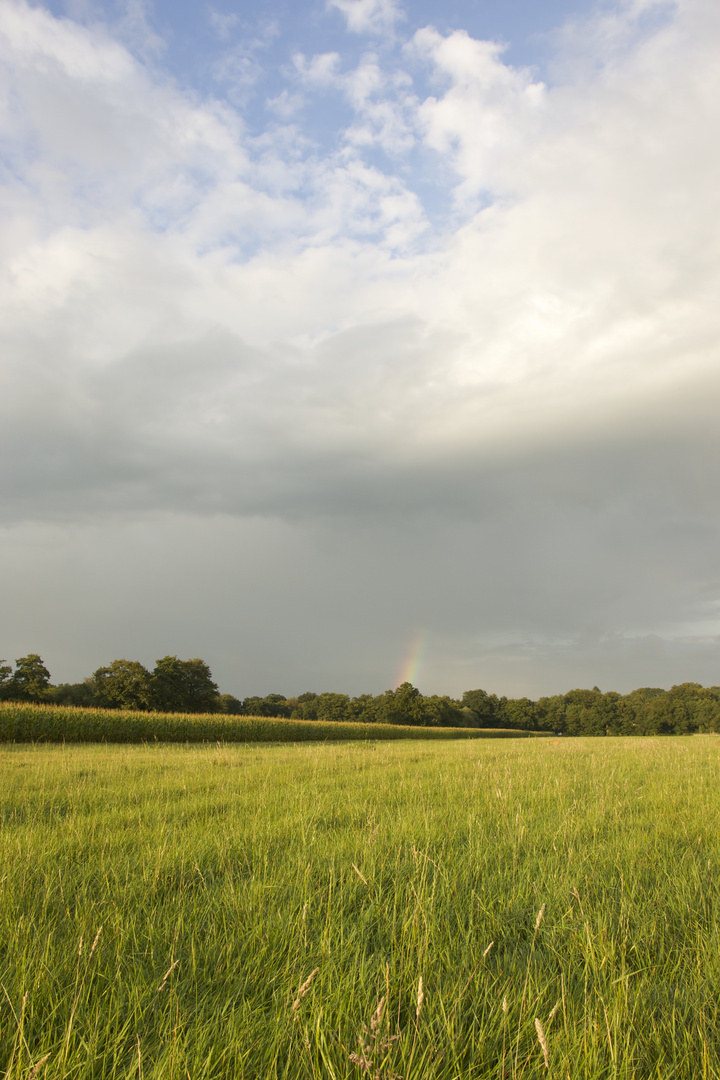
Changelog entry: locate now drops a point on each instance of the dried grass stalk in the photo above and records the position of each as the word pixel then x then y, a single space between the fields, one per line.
pixel 304 989
pixel 376 1017
pixel 167 975
pixel 362 878
pixel 543 1042
pixel 95 941
pixel 37 1066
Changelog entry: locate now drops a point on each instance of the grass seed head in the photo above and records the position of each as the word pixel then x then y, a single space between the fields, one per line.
pixel 539 919
pixel 38 1066
pixel 304 989
pixel 420 998
pixel 95 941
pixel 376 1018
pixel 543 1042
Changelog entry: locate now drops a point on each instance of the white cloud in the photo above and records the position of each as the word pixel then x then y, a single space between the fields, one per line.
pixel 223 24
pixel 369 16
pixel 35 40
pixel 286 104
pixel 489 113
pixel 320 70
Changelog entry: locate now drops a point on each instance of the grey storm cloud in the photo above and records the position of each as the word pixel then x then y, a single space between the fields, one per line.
pixel 258 406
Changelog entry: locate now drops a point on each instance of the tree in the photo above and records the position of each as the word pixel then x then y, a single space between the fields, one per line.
pixel 77 694
pixel 708 710
pixel 29 681
pixel 276 705
pixel 124 684
pixel 405 705
pixel 675 713
pixel 550 714
pixel 271 706
pixel 584 713
pixel 332 706
pixel 183 686
pixel 485 706
pixel 469 718
pixel 230 704
pixel 305 706
pixel 635 709
pixel 362 709
pixel 5 675
pixel 518 713
pixel 442 711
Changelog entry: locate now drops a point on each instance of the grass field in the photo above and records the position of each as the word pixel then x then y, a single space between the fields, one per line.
pixel 270 910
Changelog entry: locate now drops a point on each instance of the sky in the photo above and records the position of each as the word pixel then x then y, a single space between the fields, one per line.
pixel 343 341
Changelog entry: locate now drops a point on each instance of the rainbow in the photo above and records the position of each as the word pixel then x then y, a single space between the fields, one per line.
pixel 410 668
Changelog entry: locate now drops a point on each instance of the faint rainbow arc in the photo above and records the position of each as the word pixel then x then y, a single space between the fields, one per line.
pixel 412 665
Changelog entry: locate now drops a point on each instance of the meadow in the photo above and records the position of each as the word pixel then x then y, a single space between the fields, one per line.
pixel 452 909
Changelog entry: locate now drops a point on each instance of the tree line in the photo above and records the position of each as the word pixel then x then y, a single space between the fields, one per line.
pixel 187 686
pixel 172 686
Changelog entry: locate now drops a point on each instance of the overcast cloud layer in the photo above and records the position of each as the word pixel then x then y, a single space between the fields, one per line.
pixel 283 393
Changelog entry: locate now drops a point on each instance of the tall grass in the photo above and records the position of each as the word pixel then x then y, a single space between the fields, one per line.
pixel 62 723
pixel 461 909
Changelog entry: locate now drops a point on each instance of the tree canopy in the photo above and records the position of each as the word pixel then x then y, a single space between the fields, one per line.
pixel 176 685
pixel 28 682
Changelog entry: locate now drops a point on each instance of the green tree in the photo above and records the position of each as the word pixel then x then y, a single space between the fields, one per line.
pixel 330 706
pixel 442 711
pixel 550 714
pixel 485 706
pixel 635 709
pixel 276 705
pixel 520 713
pixel 362 709
pixel 30 680
pixel 5 676
pixel 270 705
pixel 708 710
pixel 230 704
pixel 405 705
pixel 584 714
pixel 81 693
pixel 123 684
pixel 674 713
pixel 183 686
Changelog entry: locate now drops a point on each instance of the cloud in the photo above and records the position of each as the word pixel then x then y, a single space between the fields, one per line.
pixel 223 24
pixel 488 115
pixel 320 70
pixel 240 67
pixel 369 16
pixel 495 420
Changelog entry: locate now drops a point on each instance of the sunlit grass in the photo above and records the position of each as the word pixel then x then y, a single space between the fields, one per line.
pixel 228 875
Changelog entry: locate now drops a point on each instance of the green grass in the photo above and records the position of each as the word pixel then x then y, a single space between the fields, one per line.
pixel 245 868
pixel 21 722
